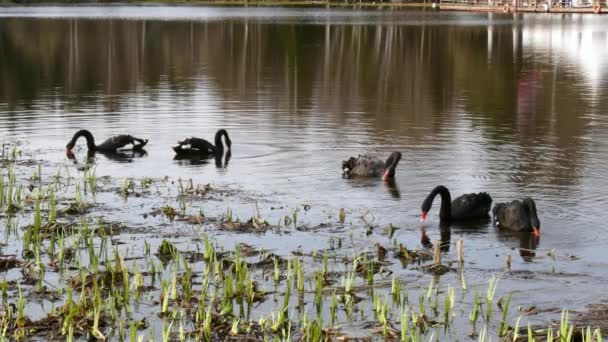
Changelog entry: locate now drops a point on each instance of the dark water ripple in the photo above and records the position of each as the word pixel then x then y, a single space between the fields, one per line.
pixel 511 105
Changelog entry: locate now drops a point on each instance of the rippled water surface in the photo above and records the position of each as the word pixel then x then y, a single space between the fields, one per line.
pixel 512 105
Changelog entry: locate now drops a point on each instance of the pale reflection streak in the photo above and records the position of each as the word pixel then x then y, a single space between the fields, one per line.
pixel 414 81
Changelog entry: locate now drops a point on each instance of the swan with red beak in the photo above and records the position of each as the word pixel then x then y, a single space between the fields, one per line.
pixel 519 216
pixel 370 166
pixel 464 207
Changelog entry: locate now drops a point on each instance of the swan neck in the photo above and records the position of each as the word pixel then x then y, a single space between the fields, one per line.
pixel 445 211
pixel 531 209
pixel 219 145
pixel 87 135
pixel 393 164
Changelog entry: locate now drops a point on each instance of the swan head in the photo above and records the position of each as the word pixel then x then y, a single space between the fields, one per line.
pixel 346 173
pixel 187 141
pixel 535 225
pixel 426 207
pixel 530 207
pixel 69 153
pixel 423 215
pixel 347 166
pixel 70 146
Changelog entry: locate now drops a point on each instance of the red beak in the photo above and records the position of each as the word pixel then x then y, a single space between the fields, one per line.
pixel 423 216
pixel 536 232
pixel 386 176
pixel 68 153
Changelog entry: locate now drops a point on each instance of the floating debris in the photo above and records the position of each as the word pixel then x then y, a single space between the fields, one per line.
pixel 342 215
pixel 166 251
pixel 193 219
pixel 8 262
pixel 247 250
pixel 407 255
pixel 381 252
pixel 254 224
pixel 596 316
pixel 169 212
pixel 269 261
pixel 390 230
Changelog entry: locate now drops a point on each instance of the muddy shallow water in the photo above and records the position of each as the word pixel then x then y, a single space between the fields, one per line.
pixel 511 105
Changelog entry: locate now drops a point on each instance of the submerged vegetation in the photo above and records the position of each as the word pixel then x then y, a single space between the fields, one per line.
pixel 73 270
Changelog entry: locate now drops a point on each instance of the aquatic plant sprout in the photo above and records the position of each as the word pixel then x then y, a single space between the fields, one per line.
pixel 161 274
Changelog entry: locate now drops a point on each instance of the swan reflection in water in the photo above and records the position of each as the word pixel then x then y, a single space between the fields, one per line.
pixel 392 188
pixel 445 233
pixel 367 183
pixel 221 161
pixel 120 156
pixel 525 242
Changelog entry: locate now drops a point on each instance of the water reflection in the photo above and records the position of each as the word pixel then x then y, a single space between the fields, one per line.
pixel 509 107
pixel 121 156
pixel 445 233
pixel 221 160
pixel 393 188
pixel 361 69
pixel 525 242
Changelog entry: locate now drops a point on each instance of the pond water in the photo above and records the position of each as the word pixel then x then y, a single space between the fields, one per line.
pixel 509 104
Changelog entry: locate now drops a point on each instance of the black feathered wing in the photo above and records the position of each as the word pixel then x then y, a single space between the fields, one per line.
pixel 512 216
pixel 470 206
pixel 198 146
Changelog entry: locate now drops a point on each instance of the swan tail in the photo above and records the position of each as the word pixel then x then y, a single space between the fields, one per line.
pixel 485 199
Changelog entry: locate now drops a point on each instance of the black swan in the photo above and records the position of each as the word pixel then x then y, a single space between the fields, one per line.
pixel 465 207
pixel 518 216
pixel 368 166
pixel 108 146
pixel 201 147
